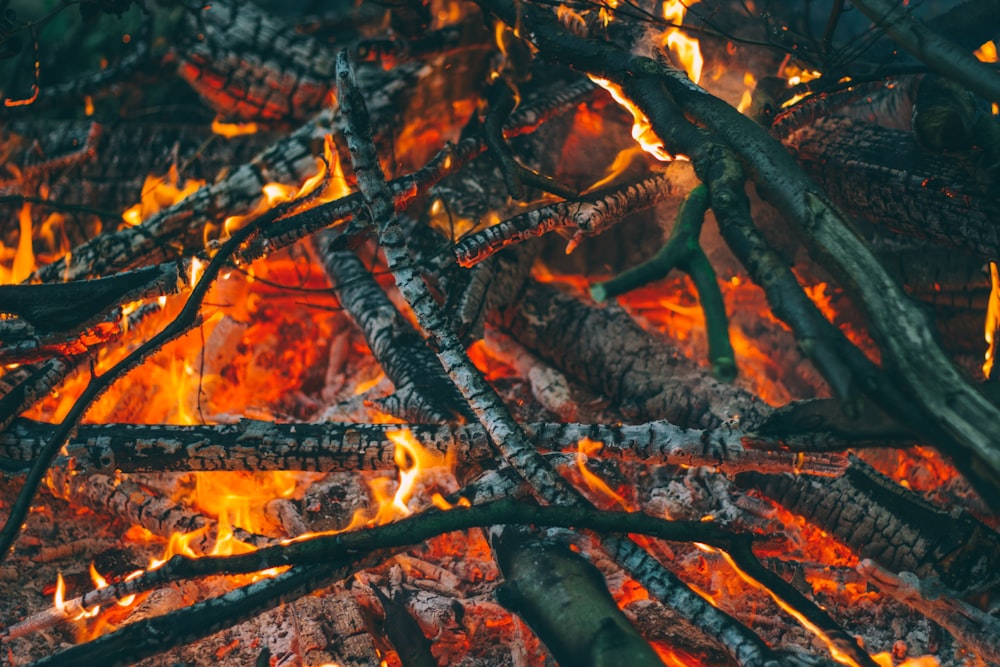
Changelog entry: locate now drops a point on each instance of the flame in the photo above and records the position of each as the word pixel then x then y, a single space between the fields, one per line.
pixel 159 192
pixel 230 130
pixel 686 49
pixel 23 264
pixel 794 76
pixel 586 448
pixel 59 597
pixel 987 52
pixel 884 659
pixel 642 130
pixel 747 100
pixel 992 319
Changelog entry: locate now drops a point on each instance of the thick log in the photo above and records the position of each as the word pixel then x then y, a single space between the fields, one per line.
pixel 882 175
pixel 565 601
pixel 604 349
pixel 259 446
pixel 880 520
pixel 249 65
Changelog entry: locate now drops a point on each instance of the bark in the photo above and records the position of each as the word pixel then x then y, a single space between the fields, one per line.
pixel 880 520
pixel 423 393
pixel 566 602
pixel 604 349
pixel 883 176
pixel 330 447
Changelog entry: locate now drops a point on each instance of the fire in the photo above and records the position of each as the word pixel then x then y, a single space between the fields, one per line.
pixel 230 130
pixel 987 52
pixel 992 319
pixel 418 467
pixel 586 448
pixel 686 49
pixel 159 192
pixel 642 130
pixel 23 263
pixel 277 193
pixel 747 100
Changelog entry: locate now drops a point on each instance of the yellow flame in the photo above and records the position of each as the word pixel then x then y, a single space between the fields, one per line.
pixel 642 130
pixel 159 192
pixel 987 52
pixel 992 319
pixel 586 448
pixel 686 49
pixel 229 130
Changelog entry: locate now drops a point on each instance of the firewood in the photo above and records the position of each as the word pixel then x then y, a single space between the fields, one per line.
pixel 505 433
pixel 604 349
pixel 422 391
pixel 882 521
pixel 893 174
pixel 565 601
pixel 331 447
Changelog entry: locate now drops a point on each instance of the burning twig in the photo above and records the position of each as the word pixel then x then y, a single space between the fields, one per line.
pixel 592 214
pixel 423 393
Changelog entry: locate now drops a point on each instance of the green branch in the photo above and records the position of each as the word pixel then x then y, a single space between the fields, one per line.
pixel 683 251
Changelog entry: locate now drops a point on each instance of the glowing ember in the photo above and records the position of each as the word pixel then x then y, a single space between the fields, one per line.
pixel 229 130
pixel 987 52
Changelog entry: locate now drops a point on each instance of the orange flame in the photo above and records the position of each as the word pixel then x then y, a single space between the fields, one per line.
pixel 992 319
pixel 642 130
pixel 586 448
pixel 159 192
pixel 230 130
pixel 24 257
pixel 686 49
pixel 987 52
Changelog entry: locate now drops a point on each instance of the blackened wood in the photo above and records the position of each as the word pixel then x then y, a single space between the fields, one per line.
pixel 882 175
pixel 423 393
pixel 249 65
pixel 331 447
pixel 565 601
pixel 606 350
pixel 891 525
pixel 505 433
pixel 65 306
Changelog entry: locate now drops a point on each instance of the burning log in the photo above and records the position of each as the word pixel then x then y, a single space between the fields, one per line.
pixel 604 349
pixel 884 522
pixel 638 374
pixel 422 391
pixel 261 446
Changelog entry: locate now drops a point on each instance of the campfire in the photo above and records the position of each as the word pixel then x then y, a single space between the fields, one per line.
pixel 500 333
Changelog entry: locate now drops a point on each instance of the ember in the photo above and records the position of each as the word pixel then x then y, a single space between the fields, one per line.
pixel 296 372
